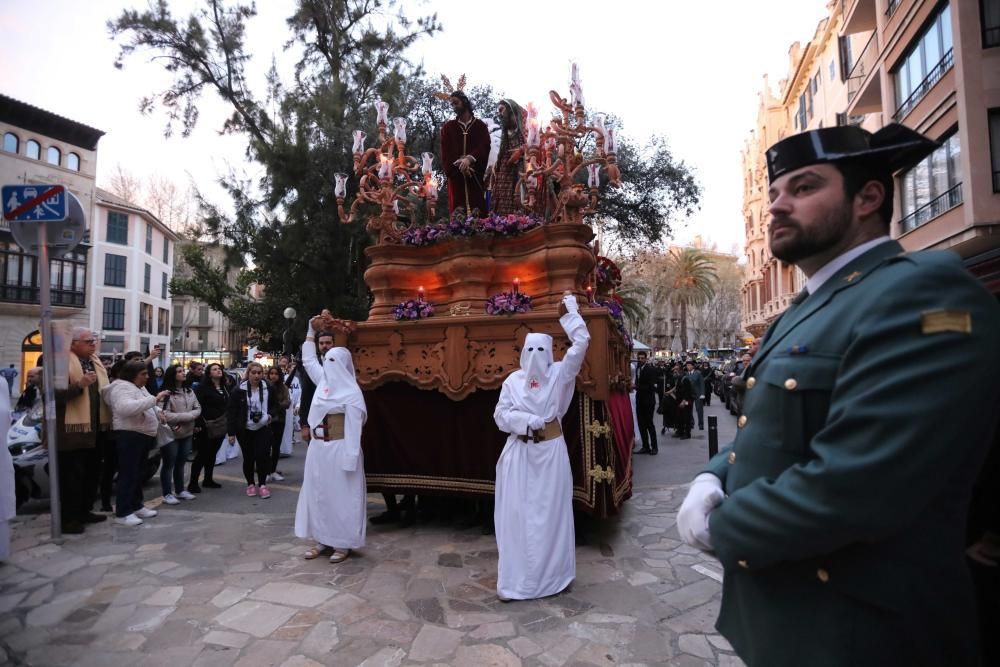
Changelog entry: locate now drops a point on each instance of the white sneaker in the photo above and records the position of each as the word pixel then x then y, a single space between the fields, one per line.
pixel 277 476
pixel 186 495
pixel 130 520
pixel 171 499
pixel 146 513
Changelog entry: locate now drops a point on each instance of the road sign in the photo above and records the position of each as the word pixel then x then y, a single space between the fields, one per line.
pixel 259 355
pixel 62 235
pixel 34 202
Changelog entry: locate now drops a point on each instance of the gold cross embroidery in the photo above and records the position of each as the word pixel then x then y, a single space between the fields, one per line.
pixel 854 276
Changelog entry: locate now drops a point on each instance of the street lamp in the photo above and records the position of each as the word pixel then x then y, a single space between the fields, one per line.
pixel 289 314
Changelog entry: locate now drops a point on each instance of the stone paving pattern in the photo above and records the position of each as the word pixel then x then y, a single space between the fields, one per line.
pixel 190 588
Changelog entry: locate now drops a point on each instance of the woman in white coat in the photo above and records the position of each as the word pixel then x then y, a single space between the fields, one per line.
pixel 534 487
pixel 332 502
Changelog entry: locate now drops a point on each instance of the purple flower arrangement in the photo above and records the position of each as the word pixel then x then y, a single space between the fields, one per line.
pixel 424 234
pixel 508 303
pixel 618 315
pixel 461 226
pixel 412 309
pixel 509 225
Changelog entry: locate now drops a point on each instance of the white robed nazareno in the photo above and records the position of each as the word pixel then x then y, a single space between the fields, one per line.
pixel 291 419
pixel 8 497
pixel 534 488
pixel 332 503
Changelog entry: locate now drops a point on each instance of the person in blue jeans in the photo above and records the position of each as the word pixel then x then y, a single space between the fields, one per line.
pixel 180 411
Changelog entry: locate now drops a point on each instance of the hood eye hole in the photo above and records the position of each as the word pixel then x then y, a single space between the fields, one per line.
pixel 531 349
pixel 541 349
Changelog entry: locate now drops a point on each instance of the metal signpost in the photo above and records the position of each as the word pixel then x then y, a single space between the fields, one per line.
pixel 47 221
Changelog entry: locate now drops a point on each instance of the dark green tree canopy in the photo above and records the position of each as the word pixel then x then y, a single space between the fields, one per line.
pixel 282 228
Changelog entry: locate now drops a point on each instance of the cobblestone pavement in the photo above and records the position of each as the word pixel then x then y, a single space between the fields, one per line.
pixel 190 588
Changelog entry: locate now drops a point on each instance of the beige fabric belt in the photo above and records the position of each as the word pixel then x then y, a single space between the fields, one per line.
pixel 552 429
pixel 332 428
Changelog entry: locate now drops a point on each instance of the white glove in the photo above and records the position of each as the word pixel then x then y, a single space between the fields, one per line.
pixel 704 496
pixel 536 423
pixel 571 305
pixel 311 332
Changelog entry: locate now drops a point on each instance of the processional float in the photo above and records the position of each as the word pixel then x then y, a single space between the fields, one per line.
pixel 431 357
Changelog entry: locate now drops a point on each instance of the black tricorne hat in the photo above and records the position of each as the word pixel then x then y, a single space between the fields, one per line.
pixel 894 147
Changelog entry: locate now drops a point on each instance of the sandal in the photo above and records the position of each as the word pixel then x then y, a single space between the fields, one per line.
pixel 340 555
pixel 315 552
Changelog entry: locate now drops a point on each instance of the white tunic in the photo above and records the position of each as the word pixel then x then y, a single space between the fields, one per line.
pixel 534 487
pixel 294 393
pixel 8 499
pixel 332 502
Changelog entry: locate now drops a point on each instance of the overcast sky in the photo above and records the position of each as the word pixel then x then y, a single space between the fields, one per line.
pixel 690 71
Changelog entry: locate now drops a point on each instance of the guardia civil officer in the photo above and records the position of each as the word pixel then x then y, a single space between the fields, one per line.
pixel 839 511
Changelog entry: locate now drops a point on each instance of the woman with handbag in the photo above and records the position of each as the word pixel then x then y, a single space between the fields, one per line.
pixel 134 422
pixel 180 410
pixel 213 396
pixel 251 408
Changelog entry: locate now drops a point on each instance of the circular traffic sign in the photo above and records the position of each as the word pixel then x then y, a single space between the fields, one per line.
pixel 62 236
pixel 259 355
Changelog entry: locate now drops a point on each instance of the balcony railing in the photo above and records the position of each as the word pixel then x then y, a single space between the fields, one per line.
pixel 892 7
pixel 29 295
pixel 861 67
pixel 991 36
pixel 925 86
pixel 932 209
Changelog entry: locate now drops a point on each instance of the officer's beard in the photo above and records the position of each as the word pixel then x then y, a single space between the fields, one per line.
pixel 799 242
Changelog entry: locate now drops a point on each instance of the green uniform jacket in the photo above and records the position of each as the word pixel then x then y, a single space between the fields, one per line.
pixel 867 413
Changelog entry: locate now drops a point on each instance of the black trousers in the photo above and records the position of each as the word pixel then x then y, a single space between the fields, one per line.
pixel 75 486
pixel 647 429
pixel 109 466
pixel 708 393
pixel 205 451
pixel 256 449
pixel 132 448
pixel 277 430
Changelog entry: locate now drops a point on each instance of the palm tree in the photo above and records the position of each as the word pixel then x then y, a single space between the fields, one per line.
pixel 687 277
pixel 633 297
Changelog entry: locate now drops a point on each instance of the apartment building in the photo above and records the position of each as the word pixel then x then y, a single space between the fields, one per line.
pixel 199 333
pixel 933 66
pixel 42 147
pixel 133 255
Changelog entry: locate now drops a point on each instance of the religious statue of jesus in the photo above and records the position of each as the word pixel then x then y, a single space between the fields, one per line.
pixel 465 149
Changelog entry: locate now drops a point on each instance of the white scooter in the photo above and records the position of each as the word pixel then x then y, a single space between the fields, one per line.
pixel 31 460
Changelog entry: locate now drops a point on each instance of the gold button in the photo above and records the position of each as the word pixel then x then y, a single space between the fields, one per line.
pixel 742 421
pixel 732 457
pixel 822 575
pixel 791 384
pixel 751 382
pixel 743 564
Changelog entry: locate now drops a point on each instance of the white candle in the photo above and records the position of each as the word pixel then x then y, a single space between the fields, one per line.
pixel 400 132
pixel 612 143
pixel 359 142
pixel 385 168
pixel 533 135
pixel 382 111
pixel 427 165
pixel 340 189
pixel 594 175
